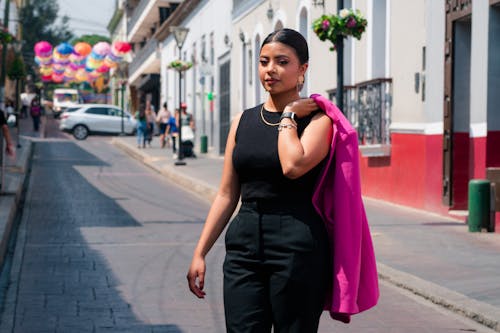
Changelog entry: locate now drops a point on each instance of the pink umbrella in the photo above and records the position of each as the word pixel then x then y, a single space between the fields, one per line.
pixel 43 49
pixel 101 48
pixel 121 47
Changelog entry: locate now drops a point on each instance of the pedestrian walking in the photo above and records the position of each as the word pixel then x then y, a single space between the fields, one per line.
pixel 162 120
pixel 9 148
pixel 36 113
pixel 141 128
pixel 278 268
pixel 150 120
pixel 173 129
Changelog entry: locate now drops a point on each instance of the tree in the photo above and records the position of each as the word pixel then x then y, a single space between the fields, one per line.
pixel 38 19
pixel 16 69
pixel 91 39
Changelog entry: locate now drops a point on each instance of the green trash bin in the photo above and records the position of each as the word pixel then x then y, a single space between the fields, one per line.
pixel 203 144
pixel 479 205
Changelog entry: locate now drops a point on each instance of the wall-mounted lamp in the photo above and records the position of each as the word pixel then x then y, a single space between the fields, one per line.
pixel 242 36
pixel 270 12
pixel 318 3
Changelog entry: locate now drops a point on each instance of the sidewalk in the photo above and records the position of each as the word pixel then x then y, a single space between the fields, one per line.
pixel 14 178
pixel 432 256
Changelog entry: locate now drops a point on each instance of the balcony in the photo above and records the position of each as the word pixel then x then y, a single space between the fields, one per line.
pixel 146 61
pixel 368 105
pixel 147 16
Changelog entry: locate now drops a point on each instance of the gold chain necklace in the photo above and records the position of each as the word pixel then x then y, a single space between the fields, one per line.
pixel 264 120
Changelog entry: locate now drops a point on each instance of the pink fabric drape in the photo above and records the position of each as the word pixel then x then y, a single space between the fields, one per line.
pixel 337 198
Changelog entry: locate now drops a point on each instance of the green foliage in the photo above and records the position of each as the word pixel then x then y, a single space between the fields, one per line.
pixel 180 65
pixel 16 70
pixel 5 36
pixel 349 22
pixel 91 39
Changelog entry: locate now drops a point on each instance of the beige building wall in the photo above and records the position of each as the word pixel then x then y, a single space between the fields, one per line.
pixel 256 25
pixel 407 40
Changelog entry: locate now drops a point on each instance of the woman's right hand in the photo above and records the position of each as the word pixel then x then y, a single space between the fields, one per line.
pixel 196 276
pixel 302 107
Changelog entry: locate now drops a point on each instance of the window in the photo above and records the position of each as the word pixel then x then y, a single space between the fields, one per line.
pixel 98 110
pixel 250 69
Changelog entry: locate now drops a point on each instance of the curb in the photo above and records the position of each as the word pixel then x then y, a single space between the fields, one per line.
pixel 193 185
pixel 10 201
pixel 480 312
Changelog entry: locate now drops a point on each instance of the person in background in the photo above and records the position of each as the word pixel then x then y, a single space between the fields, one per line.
pixel 9 107
pixel 142 127
pixel 162 120
pixel 187 118
pixel 150 120
pixel 172 128
pixel 36 113
pixel 9 149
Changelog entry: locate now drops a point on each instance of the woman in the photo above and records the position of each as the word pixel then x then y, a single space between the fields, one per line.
pixel 36 113
pixel 150 121
pixel 276 270
pixel 162 119
pixel 142 127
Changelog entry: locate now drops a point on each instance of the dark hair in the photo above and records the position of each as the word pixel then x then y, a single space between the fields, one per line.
pixel 290 38
pixel 165 105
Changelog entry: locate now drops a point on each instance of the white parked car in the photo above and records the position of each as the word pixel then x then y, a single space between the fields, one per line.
pixel 84 119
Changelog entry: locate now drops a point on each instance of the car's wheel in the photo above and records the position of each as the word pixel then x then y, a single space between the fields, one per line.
pixel 80 132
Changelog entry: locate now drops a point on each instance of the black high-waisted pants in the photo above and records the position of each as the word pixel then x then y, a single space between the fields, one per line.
pixel 277 268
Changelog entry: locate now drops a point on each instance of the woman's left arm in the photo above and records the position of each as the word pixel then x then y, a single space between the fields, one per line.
pixel 299 155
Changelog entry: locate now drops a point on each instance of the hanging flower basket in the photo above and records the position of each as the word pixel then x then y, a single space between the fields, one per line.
pixel 5 36
pixel 180 65
pixel 349 22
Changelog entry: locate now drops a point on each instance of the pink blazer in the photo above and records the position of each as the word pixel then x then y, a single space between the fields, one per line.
pixel 337 198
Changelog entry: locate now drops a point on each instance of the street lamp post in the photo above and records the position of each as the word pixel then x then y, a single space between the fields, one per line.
pixel 122 104
pixel 180 34
pixel 339 98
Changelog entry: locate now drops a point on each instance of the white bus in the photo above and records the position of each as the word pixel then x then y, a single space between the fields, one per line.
pixel 64 98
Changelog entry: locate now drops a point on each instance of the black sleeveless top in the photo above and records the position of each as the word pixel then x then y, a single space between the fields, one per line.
pixel 256 160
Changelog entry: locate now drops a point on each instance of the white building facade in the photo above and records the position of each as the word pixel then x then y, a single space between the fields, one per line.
pixel 420 86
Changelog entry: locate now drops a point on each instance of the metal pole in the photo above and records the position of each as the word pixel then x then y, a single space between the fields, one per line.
pixel 179 153
pixel 2 166
pixel 123 108
pixel 339 97
pixel 4 55
pixel 17 115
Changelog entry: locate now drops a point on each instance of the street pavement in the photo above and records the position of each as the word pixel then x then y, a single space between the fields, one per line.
pixel 432 256
pixel 422 259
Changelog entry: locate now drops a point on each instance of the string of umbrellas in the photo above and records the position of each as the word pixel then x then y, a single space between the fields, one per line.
pixel 79 63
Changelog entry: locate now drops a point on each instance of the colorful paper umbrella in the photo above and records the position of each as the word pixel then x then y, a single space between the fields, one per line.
pixel 103 69
pixel 43 49
pixel 83 49
pixel 101 49
pixel 121 48
pixel 64 49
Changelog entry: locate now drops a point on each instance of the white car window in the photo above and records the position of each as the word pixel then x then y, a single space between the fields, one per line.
pixel 98 110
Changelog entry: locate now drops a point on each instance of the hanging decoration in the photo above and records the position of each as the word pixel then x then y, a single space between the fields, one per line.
pixel 78 63
pixel 348 22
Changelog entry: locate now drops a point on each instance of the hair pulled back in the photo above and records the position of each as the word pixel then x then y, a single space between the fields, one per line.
pixel 292 39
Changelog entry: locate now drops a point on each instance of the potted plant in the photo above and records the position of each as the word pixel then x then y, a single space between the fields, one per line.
pixel 348 22
pixel 180 65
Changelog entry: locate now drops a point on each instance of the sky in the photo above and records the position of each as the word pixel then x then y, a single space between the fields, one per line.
pixel 89 16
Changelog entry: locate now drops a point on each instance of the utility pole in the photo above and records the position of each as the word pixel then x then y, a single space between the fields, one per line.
pixel 339 97
pixel 4 54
